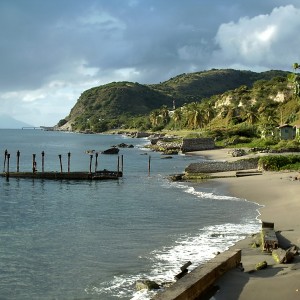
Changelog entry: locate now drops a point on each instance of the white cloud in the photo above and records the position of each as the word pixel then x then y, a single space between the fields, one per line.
pixel 268 41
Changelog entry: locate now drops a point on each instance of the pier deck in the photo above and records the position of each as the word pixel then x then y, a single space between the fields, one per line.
pixel 99 175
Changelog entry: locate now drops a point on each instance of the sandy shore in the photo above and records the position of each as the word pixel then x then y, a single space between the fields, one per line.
pixel 279 197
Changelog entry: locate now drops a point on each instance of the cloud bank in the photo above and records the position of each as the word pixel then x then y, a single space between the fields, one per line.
pixel 52 51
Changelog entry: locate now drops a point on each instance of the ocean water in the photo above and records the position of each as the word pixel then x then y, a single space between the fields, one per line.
pixel 94 240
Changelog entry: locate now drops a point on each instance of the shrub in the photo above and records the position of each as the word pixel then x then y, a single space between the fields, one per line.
pixel 279 162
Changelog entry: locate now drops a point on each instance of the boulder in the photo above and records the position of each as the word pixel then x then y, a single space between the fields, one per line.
pixel 112 150
pixel 146 284
pixel 262 265
pixel 282 256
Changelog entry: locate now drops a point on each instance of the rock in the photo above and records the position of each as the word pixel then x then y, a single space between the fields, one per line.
pixel 146 285
pixel 238 152
pixel 112 150
pixel 123 145
pixel 284 256
pixel 262 265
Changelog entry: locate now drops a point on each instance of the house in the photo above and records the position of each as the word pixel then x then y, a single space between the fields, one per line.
pixel 286 132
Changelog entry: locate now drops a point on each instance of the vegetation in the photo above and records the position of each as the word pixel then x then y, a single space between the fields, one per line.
pixel 195 101
pixel 279 162
pixel 236 108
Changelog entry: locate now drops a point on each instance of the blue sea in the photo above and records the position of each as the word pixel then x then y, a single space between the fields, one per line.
pixel 95 239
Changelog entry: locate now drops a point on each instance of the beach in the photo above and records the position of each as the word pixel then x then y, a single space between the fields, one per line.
pixel 278 193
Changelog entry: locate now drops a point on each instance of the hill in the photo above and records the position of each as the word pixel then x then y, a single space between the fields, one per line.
pixel 107 106
pixel 7 122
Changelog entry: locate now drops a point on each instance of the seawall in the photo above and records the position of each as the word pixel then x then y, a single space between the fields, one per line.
pixel 201 279
pixel 222 166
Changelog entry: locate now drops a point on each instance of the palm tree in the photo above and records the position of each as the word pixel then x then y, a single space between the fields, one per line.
pixel 250 115
pixel 177 116
pixel 164 114
pixel 193 115
pixel 154 117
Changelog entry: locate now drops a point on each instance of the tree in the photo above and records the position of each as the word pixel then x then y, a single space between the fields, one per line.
pixel 193 115
pixel 294 78
pixel 177 116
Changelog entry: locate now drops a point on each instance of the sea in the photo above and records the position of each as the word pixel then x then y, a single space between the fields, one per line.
pixel 95 239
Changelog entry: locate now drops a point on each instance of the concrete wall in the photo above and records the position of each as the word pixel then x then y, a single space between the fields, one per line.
pixel 197 144
pixel 197 282
pixel 220 166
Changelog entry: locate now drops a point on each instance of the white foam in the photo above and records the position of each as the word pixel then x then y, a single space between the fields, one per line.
pixel 200 194
pixel 166 262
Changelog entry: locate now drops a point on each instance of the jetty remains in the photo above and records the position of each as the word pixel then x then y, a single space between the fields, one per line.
pixel 77 175
pixel 98 175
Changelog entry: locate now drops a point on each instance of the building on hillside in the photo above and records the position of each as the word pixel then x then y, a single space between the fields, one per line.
pixel 286 132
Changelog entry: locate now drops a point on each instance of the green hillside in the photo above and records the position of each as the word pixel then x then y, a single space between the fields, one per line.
pixel 113 105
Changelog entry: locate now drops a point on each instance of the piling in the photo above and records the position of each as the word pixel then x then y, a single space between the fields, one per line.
pixel 122 162
pixel 61 169
pixel 149 164
pixel 69 160
pixel 118 165
pixel 96 162
pixel 43 161
pixel 33 163
pixel 91 159
pixel 18 161
pixel 5 156
pixel 7 173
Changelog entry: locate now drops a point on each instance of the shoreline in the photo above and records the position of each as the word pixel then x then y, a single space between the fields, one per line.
pixel 277 193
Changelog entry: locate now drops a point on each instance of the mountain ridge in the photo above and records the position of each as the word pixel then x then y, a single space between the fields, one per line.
pixel 107 105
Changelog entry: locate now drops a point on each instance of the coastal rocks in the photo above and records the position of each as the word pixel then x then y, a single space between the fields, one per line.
pixel 237 152
pixel 123 145
pixel 136 134
pixel 146 284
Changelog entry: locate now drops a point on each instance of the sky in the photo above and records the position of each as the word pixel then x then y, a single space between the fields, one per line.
pixel 52 51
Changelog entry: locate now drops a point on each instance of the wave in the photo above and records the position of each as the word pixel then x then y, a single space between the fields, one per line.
pixel 166 262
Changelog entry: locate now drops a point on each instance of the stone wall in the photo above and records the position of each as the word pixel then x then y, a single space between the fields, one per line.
pixel 200 280
pixel 198 144
pixel 222 166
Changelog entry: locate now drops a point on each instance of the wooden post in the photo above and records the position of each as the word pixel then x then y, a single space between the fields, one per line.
pixel 118 165
pixel 5 156
pixel 33 163
pixel 122 161
pixel 43 161
pixel 7 173
pixel 91 159
pixel 69 159
pixel 149 164
pixel 96 162
pixel 18 161
pixel 61 169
